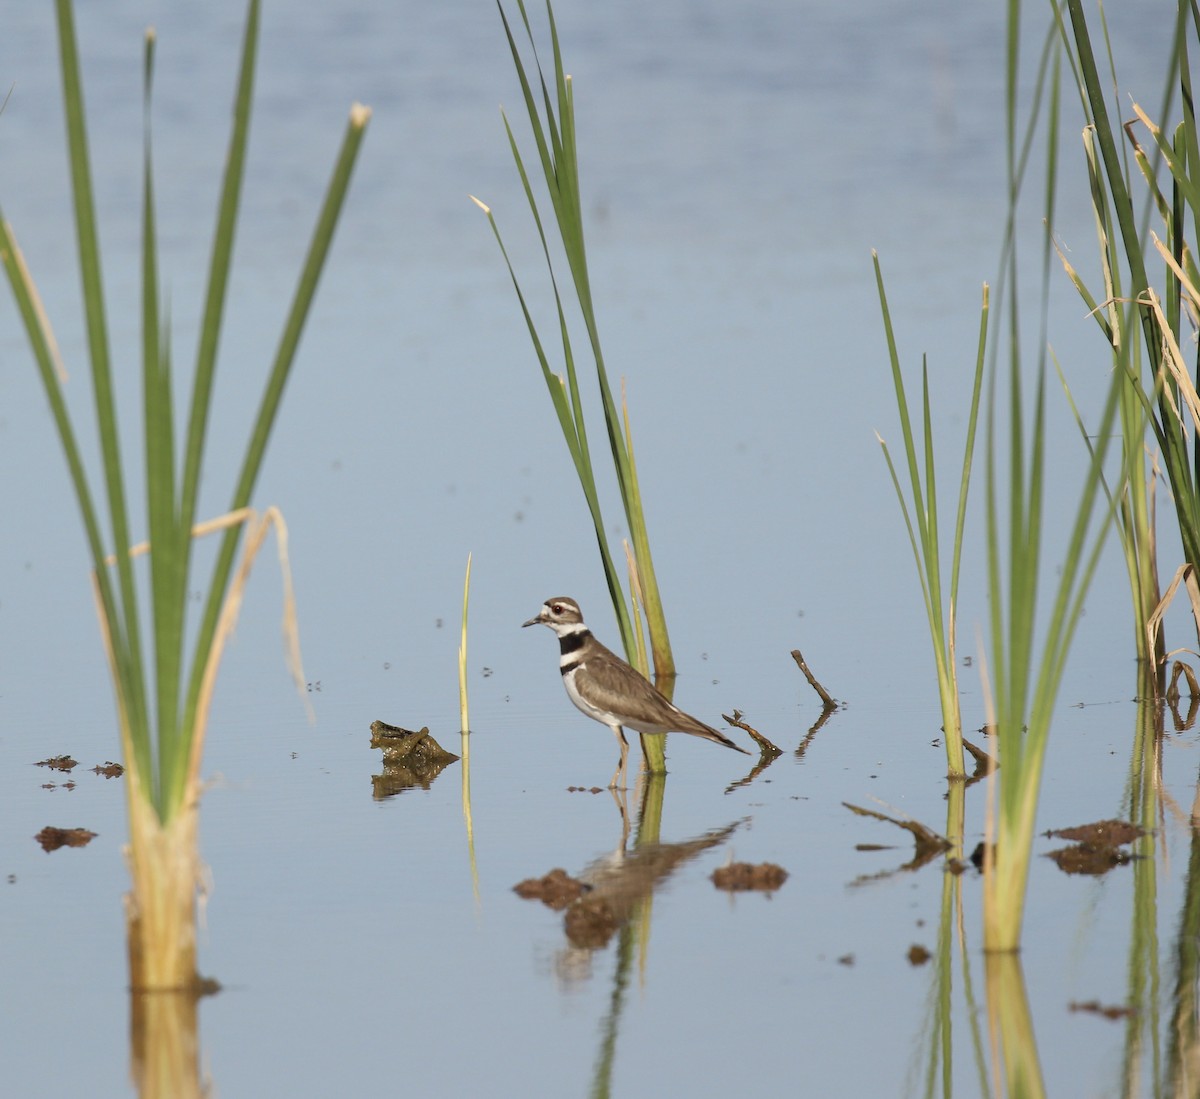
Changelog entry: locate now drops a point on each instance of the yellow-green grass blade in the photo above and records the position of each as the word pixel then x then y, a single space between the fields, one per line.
pixel 656 623
pixel 463 714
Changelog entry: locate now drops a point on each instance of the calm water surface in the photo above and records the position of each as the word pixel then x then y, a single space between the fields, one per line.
pixel 741 161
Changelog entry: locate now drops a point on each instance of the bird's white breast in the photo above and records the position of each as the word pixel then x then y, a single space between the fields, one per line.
pixel 592 711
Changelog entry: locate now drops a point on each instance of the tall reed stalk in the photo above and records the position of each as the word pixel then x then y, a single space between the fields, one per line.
pixel 553 128
pixel 1027 656
pixel 163 707
pixel 926 538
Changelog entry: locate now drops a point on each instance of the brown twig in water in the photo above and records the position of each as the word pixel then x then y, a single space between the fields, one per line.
pixel 827 700
pixel 764 745
pixel 984 764
pixel 929 844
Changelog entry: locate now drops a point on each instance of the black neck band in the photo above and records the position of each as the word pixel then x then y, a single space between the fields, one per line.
pixel 572 642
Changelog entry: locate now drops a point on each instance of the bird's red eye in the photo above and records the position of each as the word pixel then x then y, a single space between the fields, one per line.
pixel 556 608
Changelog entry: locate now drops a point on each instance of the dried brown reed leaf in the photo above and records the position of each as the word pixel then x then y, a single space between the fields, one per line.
pixel 1187 575
pixel 258 528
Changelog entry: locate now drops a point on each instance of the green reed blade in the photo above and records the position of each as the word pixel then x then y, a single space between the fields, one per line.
pixel 45 354
pixel 218 273
pixel 550 107
pixel 306 287
pixel 124 627
pixel 564 395
pixel 921 519
pixel 1028 669
pixel 168 566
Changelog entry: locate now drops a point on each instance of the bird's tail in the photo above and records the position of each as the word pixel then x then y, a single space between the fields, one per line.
pixel 709 733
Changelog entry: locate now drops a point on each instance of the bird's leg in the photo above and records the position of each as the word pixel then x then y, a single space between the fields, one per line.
pixel 619 797
pixel 618 779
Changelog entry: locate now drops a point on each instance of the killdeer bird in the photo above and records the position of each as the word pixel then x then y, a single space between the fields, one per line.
pixel 607 689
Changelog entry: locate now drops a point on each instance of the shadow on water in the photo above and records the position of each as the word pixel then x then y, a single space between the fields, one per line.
pixel 613 895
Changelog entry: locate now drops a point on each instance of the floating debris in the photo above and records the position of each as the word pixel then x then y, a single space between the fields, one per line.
pixel 740 877
pixel 109 770
pixel 1095 1007
pixel 52 838
pixel 58 763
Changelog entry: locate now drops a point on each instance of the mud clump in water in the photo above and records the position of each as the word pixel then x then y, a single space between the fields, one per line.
pixel 1097 847
pixel 52 838
pixel 412 759
pixel 917 955
pixel 58 763
pixel 741 877
pixel 1104 833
